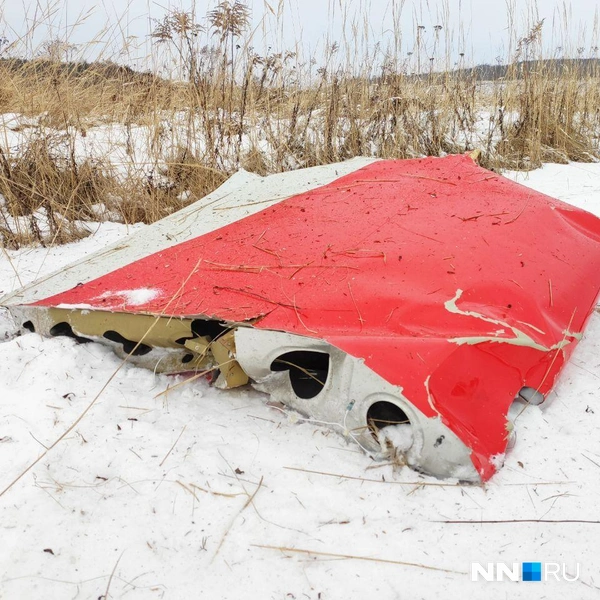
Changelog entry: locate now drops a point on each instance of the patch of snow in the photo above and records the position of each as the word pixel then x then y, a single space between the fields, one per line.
pixel 498 461
pixel 133 297
pixel 400 437
pixel 575 183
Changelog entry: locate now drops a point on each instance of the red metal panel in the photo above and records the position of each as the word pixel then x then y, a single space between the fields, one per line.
pixel 392 263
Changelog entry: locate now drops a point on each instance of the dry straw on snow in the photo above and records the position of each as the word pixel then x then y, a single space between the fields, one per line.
pixel 170 136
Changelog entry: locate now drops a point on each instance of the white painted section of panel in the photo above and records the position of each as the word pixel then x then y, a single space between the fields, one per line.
pixel 350 390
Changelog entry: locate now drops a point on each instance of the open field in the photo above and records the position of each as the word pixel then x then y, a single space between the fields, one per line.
pixel 95 140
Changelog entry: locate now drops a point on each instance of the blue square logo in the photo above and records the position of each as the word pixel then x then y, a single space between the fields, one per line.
pixel 532 571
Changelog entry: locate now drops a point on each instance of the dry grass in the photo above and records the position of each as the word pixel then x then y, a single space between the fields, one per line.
pixel 224 107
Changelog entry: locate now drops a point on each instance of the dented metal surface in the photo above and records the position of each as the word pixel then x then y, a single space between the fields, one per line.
pixel 428 294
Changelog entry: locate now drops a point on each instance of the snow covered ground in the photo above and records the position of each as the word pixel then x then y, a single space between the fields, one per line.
pixel 200 493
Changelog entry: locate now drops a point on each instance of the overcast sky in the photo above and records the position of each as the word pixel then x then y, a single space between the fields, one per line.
pixel 479 28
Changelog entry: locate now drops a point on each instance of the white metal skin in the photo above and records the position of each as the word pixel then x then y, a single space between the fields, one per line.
pixel 350 390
